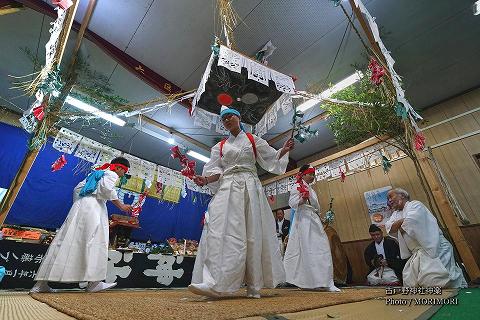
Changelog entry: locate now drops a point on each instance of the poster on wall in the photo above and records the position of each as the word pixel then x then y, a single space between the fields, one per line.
pixel 377 205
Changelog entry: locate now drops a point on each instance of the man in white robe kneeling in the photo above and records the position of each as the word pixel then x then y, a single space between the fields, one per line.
pixel 431 261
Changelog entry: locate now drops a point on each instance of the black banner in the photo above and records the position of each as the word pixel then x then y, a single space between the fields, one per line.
pixel 129 270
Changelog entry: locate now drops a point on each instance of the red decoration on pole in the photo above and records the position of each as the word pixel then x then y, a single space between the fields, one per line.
pixel 64 4
pixel 39 112
pixel 188 165
pixel 224 99
pixel 59 163
pixel 377 72
pixel 419 141
pixel 137 206
pixel 342 175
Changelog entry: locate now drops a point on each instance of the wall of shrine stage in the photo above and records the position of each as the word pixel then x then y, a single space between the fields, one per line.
pixel 129 270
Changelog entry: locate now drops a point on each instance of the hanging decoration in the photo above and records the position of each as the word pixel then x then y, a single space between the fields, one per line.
pixel 419 141
pixel 251 92
pixel 299 131
pixel 330 214
pixel 377 72
pixel 137 206
pixel 336 3
pixel 64 4
pixel 188 165
pixel 39 112
pixel 401 111
pixel 343 175
pixel 386 164
pixel 59 163
pixel 265 52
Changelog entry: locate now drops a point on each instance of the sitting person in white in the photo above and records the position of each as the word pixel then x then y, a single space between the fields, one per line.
pixel 431 261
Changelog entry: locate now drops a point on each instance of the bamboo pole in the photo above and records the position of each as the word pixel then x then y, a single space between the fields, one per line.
pixel 439 196
pixel 31 155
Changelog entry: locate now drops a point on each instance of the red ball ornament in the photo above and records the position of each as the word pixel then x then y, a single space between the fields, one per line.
pixel 224 99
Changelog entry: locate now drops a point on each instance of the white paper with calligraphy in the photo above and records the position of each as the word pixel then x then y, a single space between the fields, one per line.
pixel 282 186
pixel 335 167
pixel 356 161
pixel 203 119
pixel 322 172
pixel 88 150
pixel 66 141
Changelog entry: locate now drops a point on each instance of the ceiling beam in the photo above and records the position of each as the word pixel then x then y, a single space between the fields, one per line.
pixel 317 118
pixel 175 132
pixel 153 79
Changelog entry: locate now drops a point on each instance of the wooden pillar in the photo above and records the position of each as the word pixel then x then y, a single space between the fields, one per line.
pixel 448 217
pixel 439 196
pixel 31 155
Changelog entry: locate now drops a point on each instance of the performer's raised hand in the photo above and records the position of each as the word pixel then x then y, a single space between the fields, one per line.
pixel 289 145
pixel 200 181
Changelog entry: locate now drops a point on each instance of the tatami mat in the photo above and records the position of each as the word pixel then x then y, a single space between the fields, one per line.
pixel 20 306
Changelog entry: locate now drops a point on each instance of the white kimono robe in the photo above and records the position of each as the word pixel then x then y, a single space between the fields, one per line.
pixel 240 244
pixel 79 251
pixel 308 259
pixel 431 261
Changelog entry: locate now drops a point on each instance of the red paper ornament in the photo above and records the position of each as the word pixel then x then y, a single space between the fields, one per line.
pixel 377 72
pixel 224 99
pixel 59 163
pixel 39 112
pixel 137 207
pixel 64 4
pixel 188 165
pixel 342 175
pixel 419 141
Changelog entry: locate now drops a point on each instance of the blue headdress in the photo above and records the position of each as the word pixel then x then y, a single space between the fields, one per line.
pixel 226 110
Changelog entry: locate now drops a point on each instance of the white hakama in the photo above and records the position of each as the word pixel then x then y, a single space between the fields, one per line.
pixel 240 244
pixel 79 251
pixel 308 259
pixel 431 261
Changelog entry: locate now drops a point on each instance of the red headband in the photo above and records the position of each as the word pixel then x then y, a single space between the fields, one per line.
pixel 308 171
pixel 112 166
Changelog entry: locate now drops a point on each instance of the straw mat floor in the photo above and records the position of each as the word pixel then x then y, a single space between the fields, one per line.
pixel 181 304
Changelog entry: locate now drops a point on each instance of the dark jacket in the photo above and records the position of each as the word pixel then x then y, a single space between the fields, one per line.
pixel 285 228
pixel 392 252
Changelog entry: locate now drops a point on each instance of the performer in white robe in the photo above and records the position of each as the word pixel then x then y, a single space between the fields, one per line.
pixel 431 261
pixel 240 244
pixel 79 251
pixel 308 259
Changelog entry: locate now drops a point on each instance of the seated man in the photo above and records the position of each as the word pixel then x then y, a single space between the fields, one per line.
pixel 282 225
pixel 431 261
pixel 382 257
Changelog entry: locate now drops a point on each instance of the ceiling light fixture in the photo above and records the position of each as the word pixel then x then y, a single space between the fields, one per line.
pixel 476 8
pixel 171 140
pixel 198 156
pixel 91 109
pixel 339 86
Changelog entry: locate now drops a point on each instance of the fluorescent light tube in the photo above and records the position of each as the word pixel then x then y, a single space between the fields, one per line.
pixel 97 112
pixel 348 81
pixel 198 156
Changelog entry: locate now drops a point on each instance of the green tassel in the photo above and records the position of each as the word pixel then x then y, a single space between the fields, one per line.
pixel 401 111
pixel 386 164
